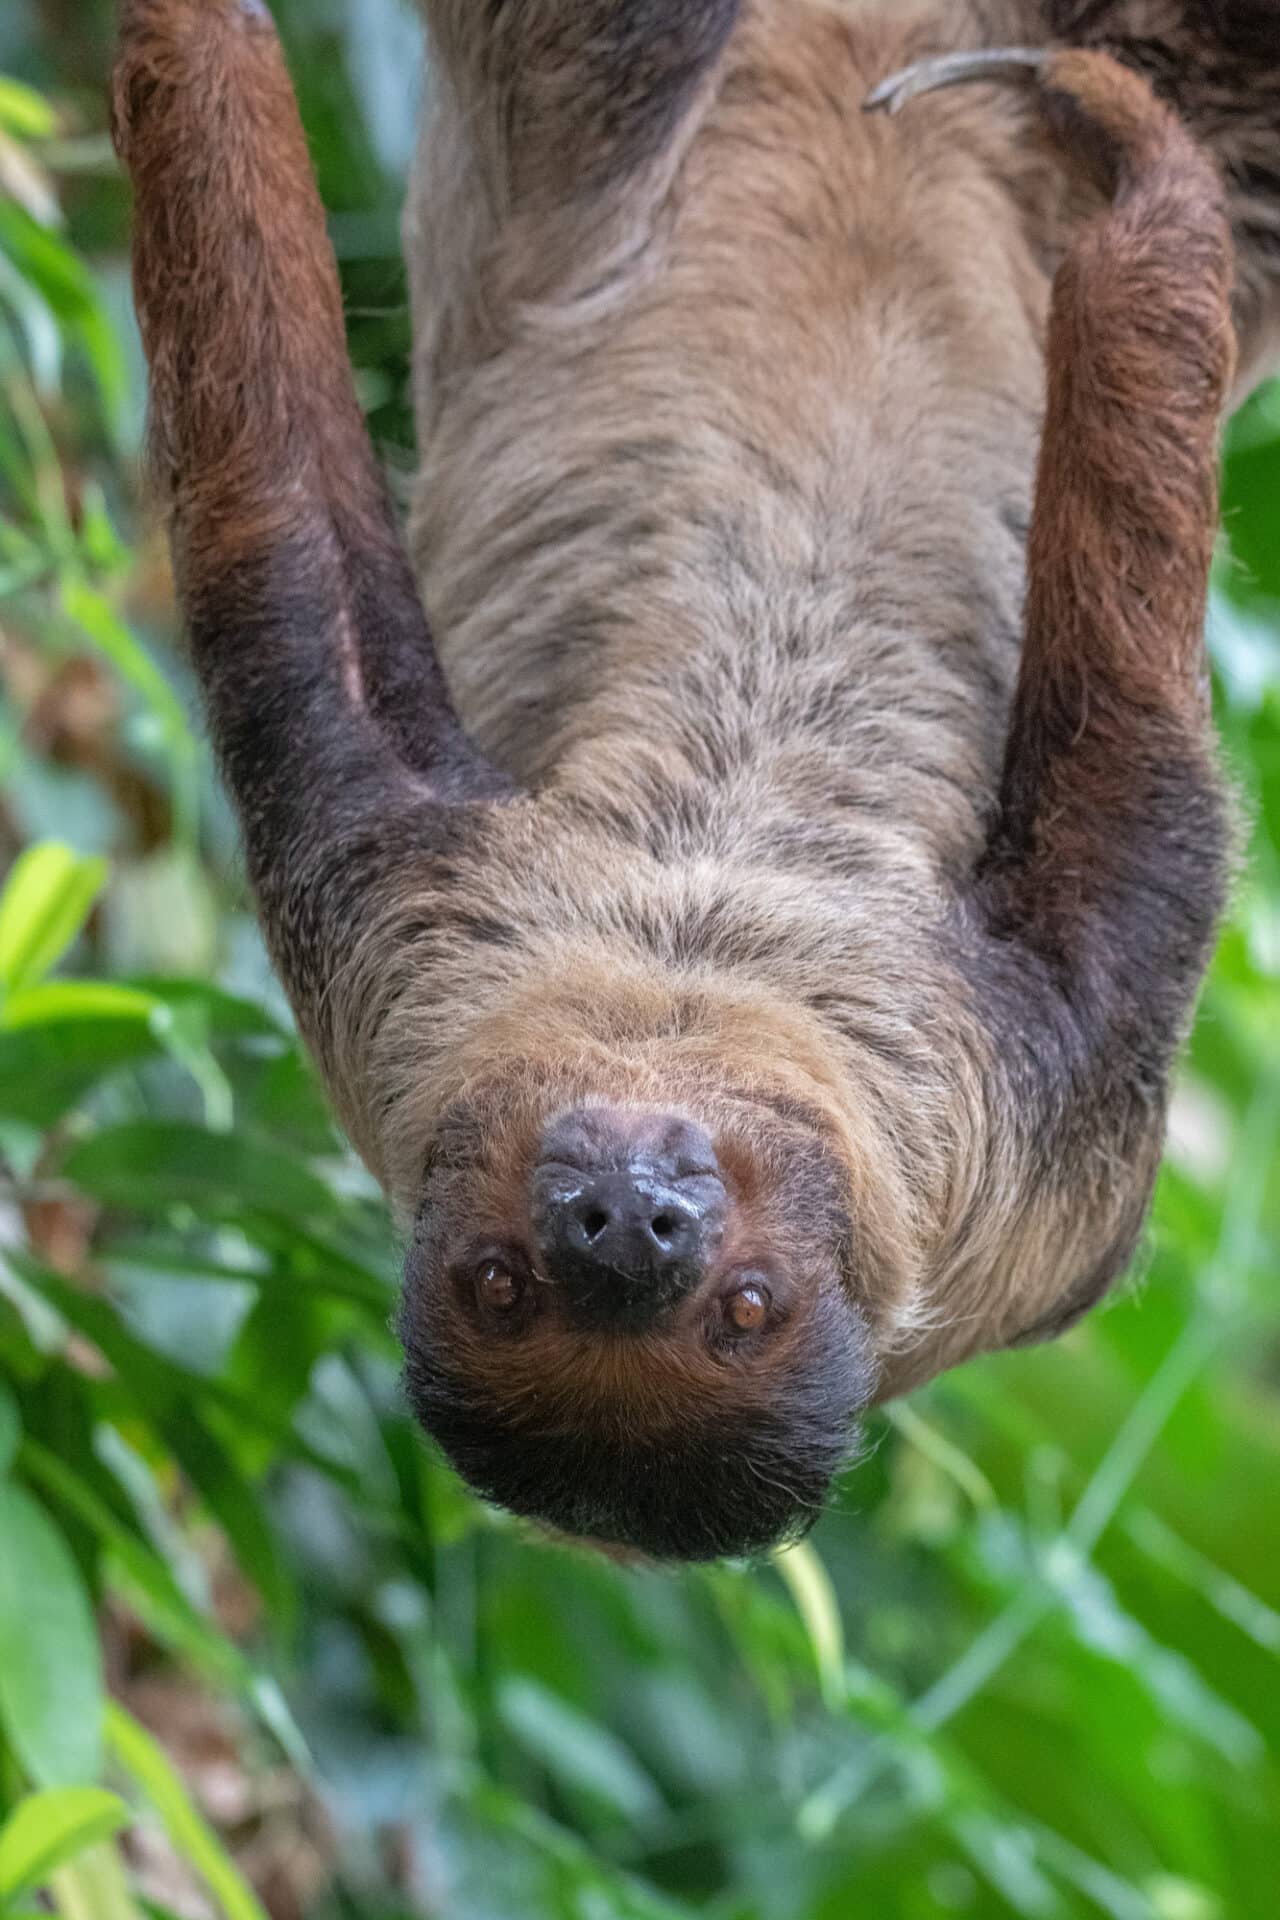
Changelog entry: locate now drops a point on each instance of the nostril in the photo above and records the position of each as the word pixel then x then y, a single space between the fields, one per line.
pixel 662 1226
pixel 594 1222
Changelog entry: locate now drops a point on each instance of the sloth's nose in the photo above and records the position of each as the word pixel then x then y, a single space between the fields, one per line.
pixel 619 1241
pixel 627 1211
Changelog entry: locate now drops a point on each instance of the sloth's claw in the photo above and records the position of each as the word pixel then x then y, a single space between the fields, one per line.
pixel 1104 111
pixel 956 69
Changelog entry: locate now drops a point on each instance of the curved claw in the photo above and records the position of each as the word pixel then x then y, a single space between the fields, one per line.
pixel 954 70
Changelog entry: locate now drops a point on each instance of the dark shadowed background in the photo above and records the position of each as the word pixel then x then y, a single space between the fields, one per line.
pixel 1030 1663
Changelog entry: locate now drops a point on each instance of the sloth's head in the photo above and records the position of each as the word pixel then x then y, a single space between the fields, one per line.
pixel 637 1320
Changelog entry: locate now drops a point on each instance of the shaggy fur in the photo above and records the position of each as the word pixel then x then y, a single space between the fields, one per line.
pixel 825 777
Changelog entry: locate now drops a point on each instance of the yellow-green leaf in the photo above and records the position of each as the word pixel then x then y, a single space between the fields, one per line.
pixel 145 1760
pixel 24 111
pixel 45 903
pixel 47 1830
pixel 94 1888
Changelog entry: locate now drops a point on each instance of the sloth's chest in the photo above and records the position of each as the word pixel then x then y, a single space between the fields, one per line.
pixel 822 723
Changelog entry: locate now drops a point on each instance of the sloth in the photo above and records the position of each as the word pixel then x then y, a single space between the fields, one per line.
pixel 749 931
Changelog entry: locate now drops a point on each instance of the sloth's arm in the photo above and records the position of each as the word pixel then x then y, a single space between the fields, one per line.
pixel 1089 922
pixel 1091 917
pixel 327 707
pixel 1104 872
pixel 568 97
pixel 1107 863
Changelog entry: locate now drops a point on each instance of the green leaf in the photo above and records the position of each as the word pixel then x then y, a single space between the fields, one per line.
pixel 299 1265
pixel 44 261
pixel 97 619
pixel 146 1762
pixel 810 1587
pixel 44 905
pixel 176 1403
pixel 25 112
pixel 1005 1856
pixel 78 1003
pixel 150 1584
pixel 151 1164
pixel 47 1067
pixel 59 1039
pixel 10 1429
pixel 48 263
pixel 227 1015
pixel 62 1038
pixel 94 1888
pixel 50 1662
pixel 46 1830
pixel 579 1753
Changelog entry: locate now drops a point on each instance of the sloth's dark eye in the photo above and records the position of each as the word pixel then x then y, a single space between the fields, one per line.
pixel 498 1289
pixel 747 1309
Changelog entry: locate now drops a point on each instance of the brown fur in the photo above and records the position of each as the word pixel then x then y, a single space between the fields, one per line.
pixel 730 400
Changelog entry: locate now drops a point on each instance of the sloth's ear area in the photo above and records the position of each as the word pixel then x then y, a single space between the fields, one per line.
pixel 328 708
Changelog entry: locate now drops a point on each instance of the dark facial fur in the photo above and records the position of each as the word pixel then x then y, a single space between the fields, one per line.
pixel 666 1428
pixel 830 774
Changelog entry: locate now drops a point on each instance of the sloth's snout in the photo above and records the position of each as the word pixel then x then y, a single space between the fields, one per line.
pixel 620 1242
pixel 628 1210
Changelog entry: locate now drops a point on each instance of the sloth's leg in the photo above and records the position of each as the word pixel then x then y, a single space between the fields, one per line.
pixel 567 98
pixel 326 703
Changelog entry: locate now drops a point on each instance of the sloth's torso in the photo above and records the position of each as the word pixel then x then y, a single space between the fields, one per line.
pixel 728 540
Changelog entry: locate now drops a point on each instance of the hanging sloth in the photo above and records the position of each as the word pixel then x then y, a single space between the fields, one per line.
pixel 749 931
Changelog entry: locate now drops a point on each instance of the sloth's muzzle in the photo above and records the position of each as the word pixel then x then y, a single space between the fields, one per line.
pixel 628 1210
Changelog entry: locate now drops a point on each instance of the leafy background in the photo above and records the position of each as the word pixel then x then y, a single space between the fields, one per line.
pixel 258 1653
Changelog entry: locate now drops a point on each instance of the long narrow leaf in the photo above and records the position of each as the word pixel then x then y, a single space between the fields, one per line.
pixel 146 1762
pixel 51 1691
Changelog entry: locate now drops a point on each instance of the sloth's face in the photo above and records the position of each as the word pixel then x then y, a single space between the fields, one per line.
pixel 634 1324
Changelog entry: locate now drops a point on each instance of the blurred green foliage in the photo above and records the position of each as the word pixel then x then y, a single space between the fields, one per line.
pixel 1030 1663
